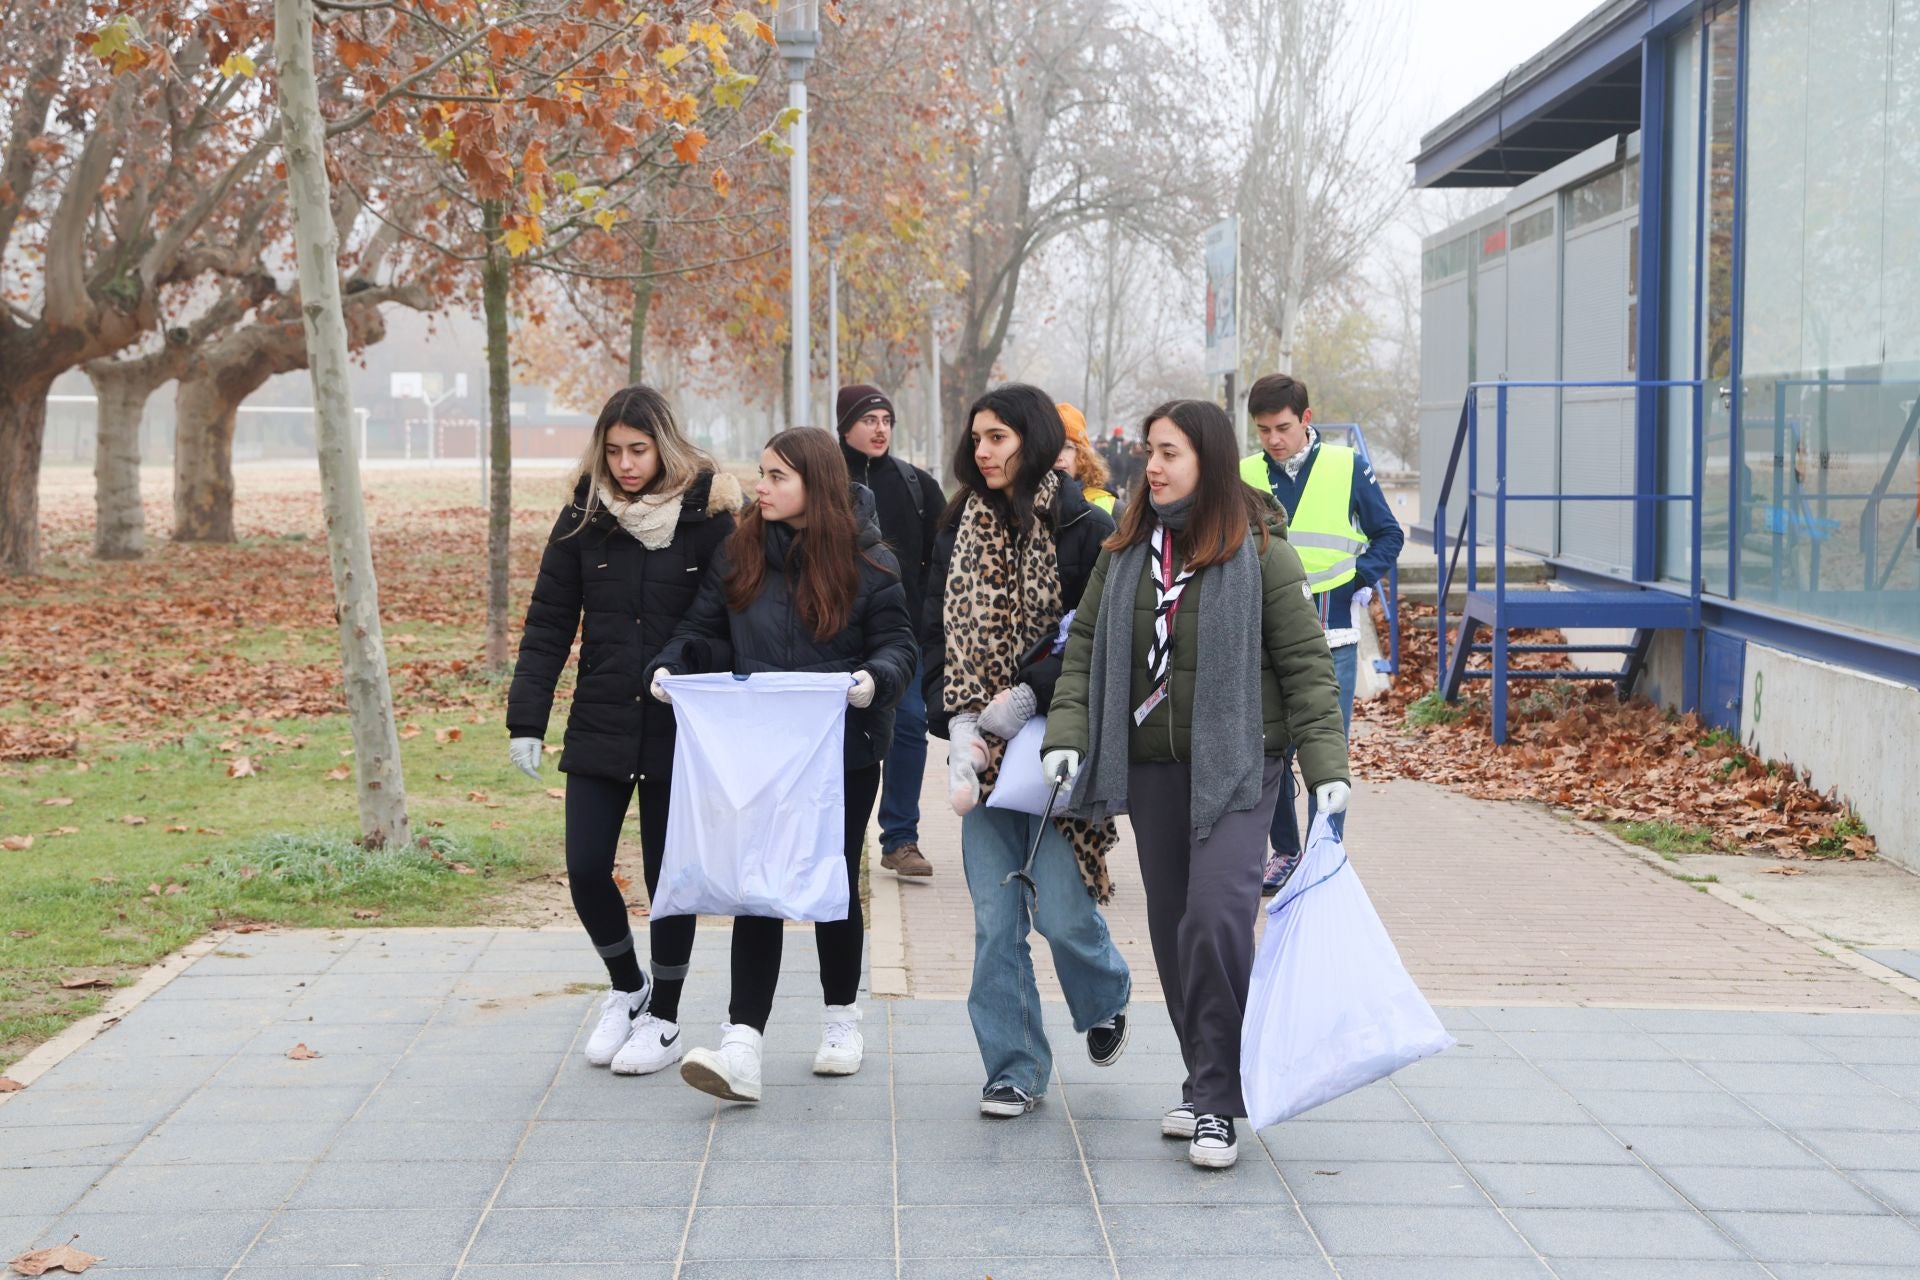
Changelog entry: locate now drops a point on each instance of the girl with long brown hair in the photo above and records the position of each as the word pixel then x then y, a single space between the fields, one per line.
pixel 804 584
pixel 648 512
pixel 1194 665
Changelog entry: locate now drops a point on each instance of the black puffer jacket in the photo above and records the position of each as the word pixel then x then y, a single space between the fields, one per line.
pixel 632 599
pixel 769 635
pixel 909 529
pixel 1079 528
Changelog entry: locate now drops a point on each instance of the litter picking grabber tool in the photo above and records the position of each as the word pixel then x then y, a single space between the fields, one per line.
pixel 1025 874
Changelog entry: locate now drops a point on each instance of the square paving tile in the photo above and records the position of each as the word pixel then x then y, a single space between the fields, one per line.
pixel 1688 1145
pixel 428 1140
pixel 1351 1140
pixel 200 1239
pixel 1576 1186
pixel 770 1182
pixel 992 1182
pixel 729 1232
pixel 398 1184
pixel 1379 1182
pixel 1134 1267
pixel 1623 1233
pixel 235 1142
pixel 1208 1231
pixel 1443 1269
pixel 991 1139
pixel 1770 1190
pixel 315 1237
pixel 198 1189
pixel 43 1192
pixel 1174 1180
pixel 556 1237
pixel 950 1231
pixel 1532 1144
pixel 1826 1238
pixel 1412 1231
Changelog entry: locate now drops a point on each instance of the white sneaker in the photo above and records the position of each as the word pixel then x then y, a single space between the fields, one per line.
pixel 1213 1145
pixel 655 1043
pixel 1176 1123
pixel 617 1013
pixel 840 1042
pixel 732 1071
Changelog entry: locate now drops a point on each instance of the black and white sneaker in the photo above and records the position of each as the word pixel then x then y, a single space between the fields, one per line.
pixel 1006 1100
pixel 617 1014
pixel 1106 1040
pixel 1178 1123
pixel 1213 1145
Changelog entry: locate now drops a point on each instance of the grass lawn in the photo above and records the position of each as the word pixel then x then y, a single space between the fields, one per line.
pixel 173 743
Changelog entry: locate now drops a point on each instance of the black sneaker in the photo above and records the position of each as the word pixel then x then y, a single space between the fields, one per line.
pixel 1105 1040
pixel 1006 1100
pixel 1178 1122
pixel 1279 868
pixel 1213 1145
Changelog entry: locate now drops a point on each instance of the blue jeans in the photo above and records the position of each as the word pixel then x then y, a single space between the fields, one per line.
pixel 1005 1002
pixel 1286 820
pixel 906 764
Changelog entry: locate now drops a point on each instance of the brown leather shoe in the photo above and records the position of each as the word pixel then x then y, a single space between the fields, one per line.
pixel 906 860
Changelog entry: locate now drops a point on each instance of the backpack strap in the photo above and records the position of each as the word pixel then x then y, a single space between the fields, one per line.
pixel 911 475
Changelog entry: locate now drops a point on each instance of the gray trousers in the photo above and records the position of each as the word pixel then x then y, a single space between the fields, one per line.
pixel 1201 900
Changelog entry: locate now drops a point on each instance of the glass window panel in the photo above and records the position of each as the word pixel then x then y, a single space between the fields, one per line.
pixel 1680 245
pixel 1830 378
pixel 1533 227
pixel 1595 199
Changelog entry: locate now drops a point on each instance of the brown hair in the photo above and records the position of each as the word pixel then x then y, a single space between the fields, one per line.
pixel 1224 507
pixel 645 410
pixel 823 559
pixel 1276 393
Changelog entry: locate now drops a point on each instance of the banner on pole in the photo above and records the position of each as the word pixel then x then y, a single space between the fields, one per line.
pixel 1222 258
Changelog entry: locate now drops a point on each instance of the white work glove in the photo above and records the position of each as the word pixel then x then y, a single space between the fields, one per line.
pixel 1331 797
pixel 1363 597
pixel 1063 762
pixel 525 755
pixel 658 690
pixel 860 692
pixel 966 754
pixel 1009 709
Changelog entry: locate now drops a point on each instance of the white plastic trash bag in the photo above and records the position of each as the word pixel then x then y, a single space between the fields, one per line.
pixel 1021 785
pixel 1330 1007
pixel 759 798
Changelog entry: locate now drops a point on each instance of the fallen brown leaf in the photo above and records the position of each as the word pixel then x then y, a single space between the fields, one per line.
pixel 18 844
pixel 62 1257
pixel 367 913
pixel 62 831
pixel 556 793
pixel 133 820
pixel 10 1085
pixel 176 831
pixel 251 926
pixel 57 801
pixel 1784 871
pixel 81 984
pixel 241 767
pixel 300 1053
pixel 208 831
pixel 478 797
pixel 443 777
pixel 444 736
pixel 339 773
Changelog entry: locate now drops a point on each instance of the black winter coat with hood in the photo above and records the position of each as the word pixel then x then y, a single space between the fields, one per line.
pixel 1079 528
pixel 769 635
pixel 632 600
pixel 910 528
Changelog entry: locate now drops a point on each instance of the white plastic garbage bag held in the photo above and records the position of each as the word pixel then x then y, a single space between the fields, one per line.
pixel 759 798
pixel 1330 1007
pixel 1019 785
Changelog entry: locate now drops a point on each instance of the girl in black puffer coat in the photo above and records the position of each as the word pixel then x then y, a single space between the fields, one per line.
pixel 628 552
pixel 805 584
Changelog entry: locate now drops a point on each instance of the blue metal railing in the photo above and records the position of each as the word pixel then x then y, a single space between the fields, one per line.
pixel 1466 437
pixel 1390 601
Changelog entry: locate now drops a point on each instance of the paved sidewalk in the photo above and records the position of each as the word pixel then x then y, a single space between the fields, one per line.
pixel 450 1128
pixel 1487 902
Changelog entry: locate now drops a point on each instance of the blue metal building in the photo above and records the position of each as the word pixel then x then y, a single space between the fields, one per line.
pixel 1702 293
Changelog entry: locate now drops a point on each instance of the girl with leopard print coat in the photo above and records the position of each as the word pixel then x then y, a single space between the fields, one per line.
pixel 1015 550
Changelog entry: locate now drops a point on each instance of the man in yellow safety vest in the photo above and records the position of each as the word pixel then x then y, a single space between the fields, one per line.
pixel 1340 523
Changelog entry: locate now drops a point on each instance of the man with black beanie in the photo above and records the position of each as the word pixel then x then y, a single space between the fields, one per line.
pixel 909 502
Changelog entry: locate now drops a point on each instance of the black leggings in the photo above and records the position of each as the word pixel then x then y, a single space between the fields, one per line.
pixel 596 808
pixel 757 940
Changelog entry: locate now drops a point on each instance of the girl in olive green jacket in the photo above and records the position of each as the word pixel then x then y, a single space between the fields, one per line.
pixel 1194 662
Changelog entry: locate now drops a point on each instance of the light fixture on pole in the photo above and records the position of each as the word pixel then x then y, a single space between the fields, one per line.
pixel 833 239
pixel 797 28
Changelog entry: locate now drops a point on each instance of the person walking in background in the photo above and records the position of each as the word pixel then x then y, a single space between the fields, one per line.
pixel 1194 667
pixel 909 502
pixel 1083 463
pixel 1016 547
pixel 648 513
pixel 804 584
pixel 1343 528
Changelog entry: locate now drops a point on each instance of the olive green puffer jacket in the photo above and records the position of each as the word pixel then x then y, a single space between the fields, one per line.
pixel 1299 699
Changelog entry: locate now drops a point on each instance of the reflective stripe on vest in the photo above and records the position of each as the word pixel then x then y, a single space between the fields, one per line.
pixel 1321 528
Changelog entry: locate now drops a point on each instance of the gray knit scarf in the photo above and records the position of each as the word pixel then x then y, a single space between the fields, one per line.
pixel 1228 739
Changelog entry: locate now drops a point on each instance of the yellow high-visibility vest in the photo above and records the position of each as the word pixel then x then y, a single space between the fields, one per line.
pixel 1321 528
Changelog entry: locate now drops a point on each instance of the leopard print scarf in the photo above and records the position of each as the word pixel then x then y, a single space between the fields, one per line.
pixel 1003 600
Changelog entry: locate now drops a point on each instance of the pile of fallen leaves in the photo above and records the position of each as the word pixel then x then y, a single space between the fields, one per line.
pixel 226 634
pixel 1576 747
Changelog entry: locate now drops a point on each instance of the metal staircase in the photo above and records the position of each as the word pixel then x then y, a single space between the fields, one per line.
pixel 1644 608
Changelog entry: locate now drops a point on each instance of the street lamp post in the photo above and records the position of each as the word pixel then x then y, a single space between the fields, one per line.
pixel 833 316
pixel 797 27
